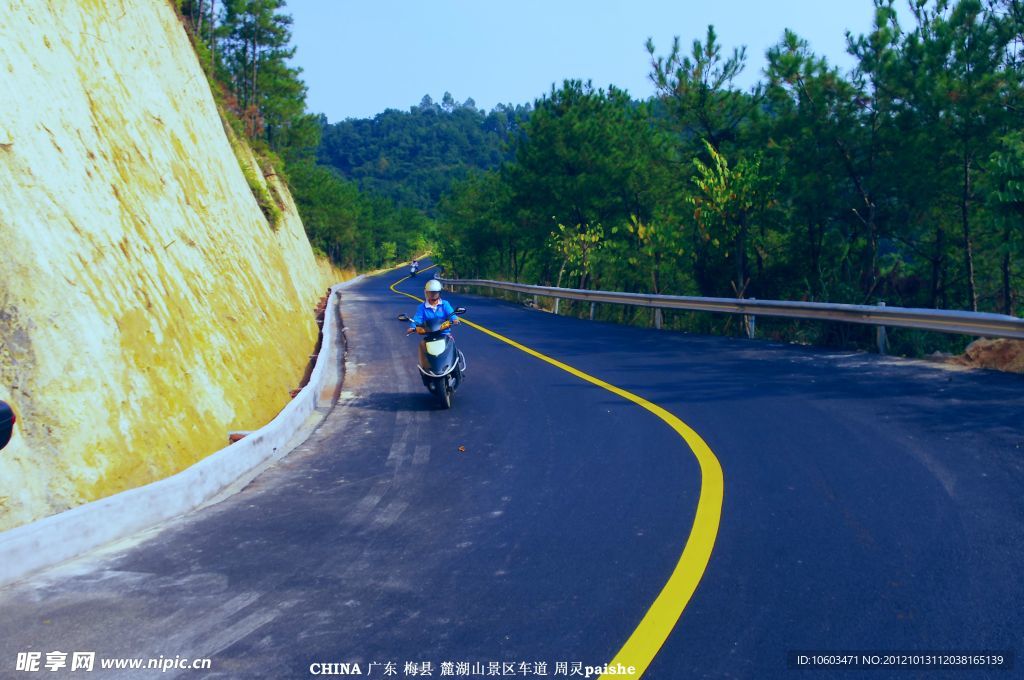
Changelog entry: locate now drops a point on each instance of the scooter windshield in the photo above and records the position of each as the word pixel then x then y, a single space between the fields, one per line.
pixel 433 325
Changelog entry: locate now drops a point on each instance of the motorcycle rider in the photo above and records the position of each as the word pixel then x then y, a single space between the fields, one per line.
pixel 414 267
pixel 432 308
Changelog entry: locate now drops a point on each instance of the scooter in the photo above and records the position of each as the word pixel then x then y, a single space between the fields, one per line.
pixel 413 268
pixel 442 364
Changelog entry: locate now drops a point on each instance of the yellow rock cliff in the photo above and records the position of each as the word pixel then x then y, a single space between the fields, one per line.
pixel 146 305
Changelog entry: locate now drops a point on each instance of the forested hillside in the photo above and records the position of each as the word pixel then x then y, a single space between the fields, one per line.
pixel 412 157
pixel 901 181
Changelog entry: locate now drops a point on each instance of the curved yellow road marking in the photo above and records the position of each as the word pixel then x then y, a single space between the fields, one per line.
pixel 393 290
pixel 656 625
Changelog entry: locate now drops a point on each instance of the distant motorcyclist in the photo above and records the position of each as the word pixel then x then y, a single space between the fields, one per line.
pixel 414 267
pixel 432 308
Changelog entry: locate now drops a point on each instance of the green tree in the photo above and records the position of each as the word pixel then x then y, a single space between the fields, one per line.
pixel 1006 196
pixel 963 51
pixel 658 248
pixel 331 210
pixel 576 247
pixel 724 206
pixel 256 37
pixel 711 118
pixel 946 83
pixel 584 157
pixel 478 235
pixel 699 90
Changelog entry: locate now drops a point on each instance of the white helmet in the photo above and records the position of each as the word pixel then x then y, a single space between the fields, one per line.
pixel 433 286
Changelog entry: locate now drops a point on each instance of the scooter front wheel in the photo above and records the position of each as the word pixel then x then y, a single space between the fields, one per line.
pixel 444 392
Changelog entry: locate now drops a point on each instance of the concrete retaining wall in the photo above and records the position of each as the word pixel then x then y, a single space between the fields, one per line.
pixel 62 537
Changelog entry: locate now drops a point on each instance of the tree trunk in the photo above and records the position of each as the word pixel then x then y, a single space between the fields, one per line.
pixel 656 284
pixel 972 292
pixel 814 247
pixel 1007 271
pixel 559 283
pixel 213 35
pixel 741 248
pixel 939 270
pixel 197 18
pixel 871 261
pixel 255 47
pixel 523 257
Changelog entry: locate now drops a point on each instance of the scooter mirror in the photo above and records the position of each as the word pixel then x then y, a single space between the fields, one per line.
pixel 403 317
pixel 7 420
pixel 460 310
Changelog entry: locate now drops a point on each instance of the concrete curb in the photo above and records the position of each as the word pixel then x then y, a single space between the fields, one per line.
pixel 58 538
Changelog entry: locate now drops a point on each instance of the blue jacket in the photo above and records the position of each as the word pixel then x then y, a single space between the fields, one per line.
pixel 443 311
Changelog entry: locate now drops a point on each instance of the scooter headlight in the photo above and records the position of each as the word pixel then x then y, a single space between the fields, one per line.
pixel 435 348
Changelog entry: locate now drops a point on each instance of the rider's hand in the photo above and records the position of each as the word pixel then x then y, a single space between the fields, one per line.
pixel 410 331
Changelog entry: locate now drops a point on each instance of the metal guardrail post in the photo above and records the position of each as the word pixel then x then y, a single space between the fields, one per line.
pixel 658 318
pixel 592 305
pixel 880 336
pixel 750 324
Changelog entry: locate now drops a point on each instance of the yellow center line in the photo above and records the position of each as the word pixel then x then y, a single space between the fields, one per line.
pixel 406 279
pixel 656 625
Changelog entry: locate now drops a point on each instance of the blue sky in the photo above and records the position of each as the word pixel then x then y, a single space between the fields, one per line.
pixel 360 58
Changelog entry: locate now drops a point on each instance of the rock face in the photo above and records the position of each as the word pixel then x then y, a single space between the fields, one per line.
pixel 146 304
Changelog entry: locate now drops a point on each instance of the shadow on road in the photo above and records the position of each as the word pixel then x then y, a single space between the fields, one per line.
pixel 393 402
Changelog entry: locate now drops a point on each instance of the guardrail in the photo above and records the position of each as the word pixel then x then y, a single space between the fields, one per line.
pixel 966 323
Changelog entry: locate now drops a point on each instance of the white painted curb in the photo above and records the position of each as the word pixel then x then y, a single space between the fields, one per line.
pixel 61 537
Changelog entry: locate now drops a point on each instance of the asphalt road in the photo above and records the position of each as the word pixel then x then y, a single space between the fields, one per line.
pixel 869 504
